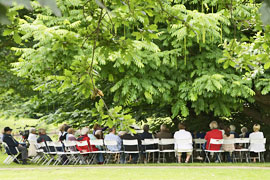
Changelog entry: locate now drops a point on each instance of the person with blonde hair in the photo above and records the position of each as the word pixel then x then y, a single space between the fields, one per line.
pixel 213 134
pixel 84 137
pixel 256 148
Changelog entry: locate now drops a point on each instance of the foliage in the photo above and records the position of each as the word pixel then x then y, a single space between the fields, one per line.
pixel 155 58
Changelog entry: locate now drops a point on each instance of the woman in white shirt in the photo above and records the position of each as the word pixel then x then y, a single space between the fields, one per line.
pixel 256 148
pixel 182 134
pixel 32 139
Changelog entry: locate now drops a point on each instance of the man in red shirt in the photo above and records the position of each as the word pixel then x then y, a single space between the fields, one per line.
pixel 213 134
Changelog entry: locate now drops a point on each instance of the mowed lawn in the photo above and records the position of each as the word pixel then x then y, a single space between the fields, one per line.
pixel 134 173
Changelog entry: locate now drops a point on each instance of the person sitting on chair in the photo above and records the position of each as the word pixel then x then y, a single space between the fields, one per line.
pixel 13 144
pixel 182 134
pixel 256 147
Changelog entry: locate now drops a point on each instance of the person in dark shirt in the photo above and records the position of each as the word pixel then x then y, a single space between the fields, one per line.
pixel 14 145
pixel 130 136
pixel 43 137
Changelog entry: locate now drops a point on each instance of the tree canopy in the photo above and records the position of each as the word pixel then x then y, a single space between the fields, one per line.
pixel 111 61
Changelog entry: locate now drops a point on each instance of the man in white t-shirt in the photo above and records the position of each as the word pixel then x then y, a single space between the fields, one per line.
pixel 182 134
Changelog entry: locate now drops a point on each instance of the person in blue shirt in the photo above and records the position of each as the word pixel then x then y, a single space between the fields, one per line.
pixel 113 137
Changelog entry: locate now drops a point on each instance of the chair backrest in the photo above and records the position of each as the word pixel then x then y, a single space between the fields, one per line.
pixel 258 141
pixel 58 144
pixel 42 144
pixel 199 141
pixel 82 143
pixel 150 141
pixel 8 149
pixel 51 146
pixel 97 142
pixel 216 141
pixel 69 143
pixel 133 142
pixel 241 140
pixel 183 141
pixel 228 141
pixel 166 141
pixel 110 143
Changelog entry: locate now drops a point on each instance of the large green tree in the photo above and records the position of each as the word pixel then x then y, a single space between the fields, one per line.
pixel 152 57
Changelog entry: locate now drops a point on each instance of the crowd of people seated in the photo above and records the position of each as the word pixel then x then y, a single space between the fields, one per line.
pixel 67 133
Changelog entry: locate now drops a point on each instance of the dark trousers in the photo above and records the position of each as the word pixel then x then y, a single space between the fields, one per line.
pixel 23 151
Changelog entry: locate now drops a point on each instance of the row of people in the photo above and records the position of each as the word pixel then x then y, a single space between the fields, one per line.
pixel 68 133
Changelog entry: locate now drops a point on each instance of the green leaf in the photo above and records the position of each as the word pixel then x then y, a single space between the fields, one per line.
pixel 7 32
pixel 17 38
pixel 267 65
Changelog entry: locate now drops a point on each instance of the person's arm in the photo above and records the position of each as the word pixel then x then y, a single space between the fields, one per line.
pixel 206 137
pixel 49 138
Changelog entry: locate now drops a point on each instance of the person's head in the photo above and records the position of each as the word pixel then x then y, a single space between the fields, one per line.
pixel 96 127
pixel 7 130
pixel 244 130
pixel 71 131
pixel 121 133
pixel 181 126
pixel 63 127
pixel 42 131
pixel 112 130
pixel 32 130
pixel 256 127
pixel 213 125
pixel 227 131
pixel 66 128
pixel 146 128
pixel 163 128
pixel 84 131
pixel 99 134
pixel 233 128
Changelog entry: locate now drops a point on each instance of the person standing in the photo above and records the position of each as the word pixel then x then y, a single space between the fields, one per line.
pixel 14 145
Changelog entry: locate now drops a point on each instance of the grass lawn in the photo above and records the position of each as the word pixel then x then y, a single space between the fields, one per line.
pixel 116 173
pixel 131 172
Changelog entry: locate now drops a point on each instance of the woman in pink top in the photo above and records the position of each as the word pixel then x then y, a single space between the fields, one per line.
pixel 228 147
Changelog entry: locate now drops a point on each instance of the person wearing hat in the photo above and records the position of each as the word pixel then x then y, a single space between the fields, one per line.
pixel 13 144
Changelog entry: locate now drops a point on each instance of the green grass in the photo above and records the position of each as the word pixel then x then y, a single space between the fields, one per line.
pixel 131 172
pixel 155 173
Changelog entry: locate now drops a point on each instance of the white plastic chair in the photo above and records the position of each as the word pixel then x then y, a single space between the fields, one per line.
pixel 165 143
pixel 150 142
pixel 215 142
pixel 243 144
pixel 11 157
pixel 100 145
pixel 71 150
pixel 133 142
pixel 183 142
pixel 229 142
pixel 260 151
pixel 109 153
